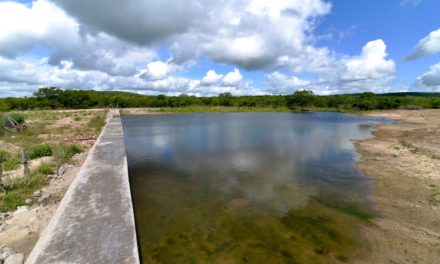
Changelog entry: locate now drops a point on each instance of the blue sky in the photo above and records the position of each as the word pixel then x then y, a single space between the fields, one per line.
pixel 400 26
pixel 202 47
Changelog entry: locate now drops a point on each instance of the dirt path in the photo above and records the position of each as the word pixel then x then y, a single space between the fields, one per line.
pixel 404 162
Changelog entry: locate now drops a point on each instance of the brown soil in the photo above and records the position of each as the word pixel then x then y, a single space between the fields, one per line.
pixel 404 162
pixel 141 111
pixel 22 230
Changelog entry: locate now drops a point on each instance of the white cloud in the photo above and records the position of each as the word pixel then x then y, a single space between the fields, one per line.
pixel 158 70
pixel 282 84
pixel 141 22
pixel 370 68
pixel 410 3
pixel 369 71
pixel 429 45
pixel 430 79
pixel 79 46
pixel 233 78
pixel 22 76
pixel 45 26
pixel 22 27
pixel 211 77
pixel 251 34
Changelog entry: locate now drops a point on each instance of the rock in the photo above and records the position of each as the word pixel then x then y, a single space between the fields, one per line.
pixel 15 259
pixel 45 198
pixel 38 193
pixel 5 252
pixel 4 216
pixel 23 208
pixel 28 201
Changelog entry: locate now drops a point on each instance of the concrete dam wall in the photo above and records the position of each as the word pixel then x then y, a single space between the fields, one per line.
pixel 94 222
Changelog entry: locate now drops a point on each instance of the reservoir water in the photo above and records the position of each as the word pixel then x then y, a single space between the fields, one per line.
pixel 248 187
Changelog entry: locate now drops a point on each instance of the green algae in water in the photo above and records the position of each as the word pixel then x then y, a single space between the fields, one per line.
pixel 185 227
pixel 247 188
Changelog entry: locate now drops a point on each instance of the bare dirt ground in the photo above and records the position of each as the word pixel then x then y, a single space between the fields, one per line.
pixel 20 231
pixel 404 162
pixel 142 111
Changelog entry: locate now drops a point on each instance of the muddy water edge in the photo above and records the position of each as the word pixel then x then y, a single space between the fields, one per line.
pixel 404 163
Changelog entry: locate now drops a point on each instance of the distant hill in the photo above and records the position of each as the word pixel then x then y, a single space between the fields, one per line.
pixel 403 94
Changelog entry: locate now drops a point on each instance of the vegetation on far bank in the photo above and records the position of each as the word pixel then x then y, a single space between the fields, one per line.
pixel 55 98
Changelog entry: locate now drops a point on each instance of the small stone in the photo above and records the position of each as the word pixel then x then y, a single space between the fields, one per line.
pixel 15 259
pixel 38 193
pixel 63 170
pixel 23 208
pixel 45 198
pixel 28 201
pixel 5 252
pixel 4 216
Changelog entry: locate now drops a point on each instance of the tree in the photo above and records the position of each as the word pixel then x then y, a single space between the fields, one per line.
pixel 367 101
pixel 302 99
pixel 225 99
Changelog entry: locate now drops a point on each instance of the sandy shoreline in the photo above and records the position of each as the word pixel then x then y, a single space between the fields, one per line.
pixel 403 160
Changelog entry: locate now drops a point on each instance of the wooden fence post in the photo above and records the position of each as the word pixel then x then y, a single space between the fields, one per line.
pixel 57 163
pixel 1 167
pixel 26 170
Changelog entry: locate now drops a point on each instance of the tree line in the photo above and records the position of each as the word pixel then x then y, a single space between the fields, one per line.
pixel 56 98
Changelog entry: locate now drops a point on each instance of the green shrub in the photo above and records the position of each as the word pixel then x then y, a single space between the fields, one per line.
pixel 45 169
pixel 43 150
pixel 10 201
pixel 65 152
pixel 73 150
pixel 19 118
pixel 4 119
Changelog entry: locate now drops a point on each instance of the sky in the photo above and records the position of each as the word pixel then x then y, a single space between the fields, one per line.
pixel 204 47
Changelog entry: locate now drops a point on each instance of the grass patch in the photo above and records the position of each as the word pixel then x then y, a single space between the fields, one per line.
pixel 97 122
pixel 43 150
pixel 10 162
pixel 64 152
pixel 25 184
pixel 45 122
pixel 10 201
pixel 19 189
pixel 45 168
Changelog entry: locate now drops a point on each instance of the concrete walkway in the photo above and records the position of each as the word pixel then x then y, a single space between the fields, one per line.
pixel 94 222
